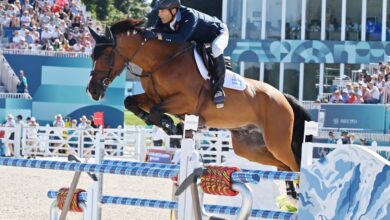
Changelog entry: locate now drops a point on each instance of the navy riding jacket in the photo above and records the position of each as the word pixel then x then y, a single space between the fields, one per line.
pixel 190 25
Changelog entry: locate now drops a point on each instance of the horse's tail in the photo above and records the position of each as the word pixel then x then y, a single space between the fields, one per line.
pixel 300 116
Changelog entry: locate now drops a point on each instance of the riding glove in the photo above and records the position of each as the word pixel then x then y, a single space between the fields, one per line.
pixel 148 34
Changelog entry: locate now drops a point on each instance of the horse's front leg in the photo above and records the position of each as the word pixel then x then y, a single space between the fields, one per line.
pixel 140 105
pixel 175 105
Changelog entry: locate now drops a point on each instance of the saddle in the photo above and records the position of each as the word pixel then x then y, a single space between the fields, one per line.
pixel 204 50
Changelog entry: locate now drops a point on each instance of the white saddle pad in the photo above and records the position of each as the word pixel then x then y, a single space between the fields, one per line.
pixel 232 80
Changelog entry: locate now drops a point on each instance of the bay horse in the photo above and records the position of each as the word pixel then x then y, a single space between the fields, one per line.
pixel 266 126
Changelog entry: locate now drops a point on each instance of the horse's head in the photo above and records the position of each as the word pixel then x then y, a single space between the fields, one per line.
pixel 108 60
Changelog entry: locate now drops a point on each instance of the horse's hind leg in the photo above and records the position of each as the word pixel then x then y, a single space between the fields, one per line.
pixel 250 145
pixel 277 136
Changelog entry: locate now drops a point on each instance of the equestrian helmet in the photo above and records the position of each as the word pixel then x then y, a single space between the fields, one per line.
pixel 168 4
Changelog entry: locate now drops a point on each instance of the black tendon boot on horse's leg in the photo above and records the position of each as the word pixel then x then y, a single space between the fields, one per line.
pixel 162 120
pixel 217 80
pixel 131 105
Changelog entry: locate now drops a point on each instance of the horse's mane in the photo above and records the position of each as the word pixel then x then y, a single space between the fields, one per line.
pixel 129 24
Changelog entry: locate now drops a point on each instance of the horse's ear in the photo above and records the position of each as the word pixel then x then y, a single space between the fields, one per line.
pixel 94 34
pixel 109 35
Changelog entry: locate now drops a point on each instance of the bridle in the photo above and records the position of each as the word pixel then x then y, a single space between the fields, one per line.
pixel 126 62
pixel 108 73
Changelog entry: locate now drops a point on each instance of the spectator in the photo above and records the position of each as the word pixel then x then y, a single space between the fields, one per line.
pixel 57 45
pixel 336 97
pixel 35 34
pixel 19 120
pixel 16 38
pixel 28 120
pixel 32 136
pixel 359 98
pixel 5 20
pixel 345 137
pixel 46 35
pixel 22 86
pixel 10 123
pixel 83 122
pixel 331 138
pixel 374 97
pixel 352 97
pixel 15 21
pixel 22 31
pixel 56 134
pixel 36 45
pixel 58 122
pixel 56 33
pixel 365 142
pixel 345 96
pixel 28 38
pixel 25 19
pixel 22 44
pixel 26 6
pixel 157 136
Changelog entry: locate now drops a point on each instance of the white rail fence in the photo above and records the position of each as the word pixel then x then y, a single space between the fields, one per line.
pixel 132 142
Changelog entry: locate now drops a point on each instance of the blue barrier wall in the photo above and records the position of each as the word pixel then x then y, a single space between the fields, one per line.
pixel 370 117
pixel 57 86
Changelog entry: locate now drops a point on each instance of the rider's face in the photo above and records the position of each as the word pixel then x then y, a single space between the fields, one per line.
pixel 165 15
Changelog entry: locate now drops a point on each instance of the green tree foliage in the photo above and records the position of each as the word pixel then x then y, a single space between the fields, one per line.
pixel 110 11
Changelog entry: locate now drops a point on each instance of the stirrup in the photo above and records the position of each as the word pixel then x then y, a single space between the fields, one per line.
pixel 219 99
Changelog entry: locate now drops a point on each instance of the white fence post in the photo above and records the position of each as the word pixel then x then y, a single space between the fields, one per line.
pixel 17 137
pixel 141 145
pixel 98 185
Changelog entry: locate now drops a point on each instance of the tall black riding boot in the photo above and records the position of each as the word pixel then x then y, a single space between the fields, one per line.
pixel 218 79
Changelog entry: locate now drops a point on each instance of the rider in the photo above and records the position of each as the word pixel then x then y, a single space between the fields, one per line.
pixel 180 24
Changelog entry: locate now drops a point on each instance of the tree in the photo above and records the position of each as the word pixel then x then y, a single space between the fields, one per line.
pixel 110 11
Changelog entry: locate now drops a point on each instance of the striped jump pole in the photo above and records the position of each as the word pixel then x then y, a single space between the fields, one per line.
pixel 88 167
pixel 270 175
pixel 242 177
pixel 161 204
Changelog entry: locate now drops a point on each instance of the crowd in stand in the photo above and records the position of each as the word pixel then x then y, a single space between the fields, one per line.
pixel 47 25
pixel 370 88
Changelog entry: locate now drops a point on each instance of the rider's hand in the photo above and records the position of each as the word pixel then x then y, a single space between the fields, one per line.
pixel 150 35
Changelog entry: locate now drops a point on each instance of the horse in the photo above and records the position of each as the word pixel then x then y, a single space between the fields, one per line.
pixel 266 125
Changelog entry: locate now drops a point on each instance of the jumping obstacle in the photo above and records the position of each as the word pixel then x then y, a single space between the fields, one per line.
pixel 161 204
pixel 351 182
pixel 152 170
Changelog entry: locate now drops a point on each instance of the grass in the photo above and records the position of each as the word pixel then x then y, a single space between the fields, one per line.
pixel 131 119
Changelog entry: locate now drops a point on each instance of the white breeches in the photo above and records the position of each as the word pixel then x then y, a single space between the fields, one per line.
pixel 221 42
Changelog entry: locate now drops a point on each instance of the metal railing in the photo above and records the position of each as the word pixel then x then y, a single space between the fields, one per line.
pixel 47 53
pixel 4 95
pixel 7 75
